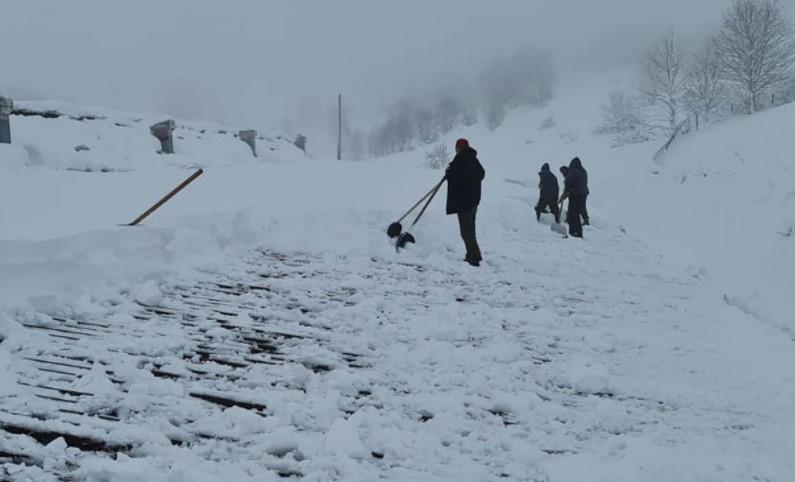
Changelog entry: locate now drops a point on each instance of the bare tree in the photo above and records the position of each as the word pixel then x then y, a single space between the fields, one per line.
pixel 621 117
pixel 426 126
pixel 470 116
pixel 399 132
pixel 449 113
pixel 705 88
pixel 494 114
pixel 527 77
pixel 355 144
pixel 374 144
pixel 401 126
pixel 664 80
pixel 756 47
pixel 788 92
pixel 438 157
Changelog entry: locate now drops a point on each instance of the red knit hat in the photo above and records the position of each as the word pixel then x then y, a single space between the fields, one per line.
pixel 461 144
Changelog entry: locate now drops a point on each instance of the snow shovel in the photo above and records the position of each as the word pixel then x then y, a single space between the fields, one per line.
pixel 559 227
pixel 395 230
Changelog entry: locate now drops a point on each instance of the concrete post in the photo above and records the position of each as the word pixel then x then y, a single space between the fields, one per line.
pixel 250 138
pixel 6 106
pixel 164 131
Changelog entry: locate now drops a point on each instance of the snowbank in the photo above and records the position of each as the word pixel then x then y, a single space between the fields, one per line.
pixel 60 232
pixel 98 139
pixel 722 204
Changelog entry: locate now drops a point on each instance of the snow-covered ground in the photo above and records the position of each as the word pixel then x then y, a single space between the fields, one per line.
pixel 655 350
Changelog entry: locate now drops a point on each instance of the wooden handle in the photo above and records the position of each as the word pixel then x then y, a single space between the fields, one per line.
pixel 423 198
pixel 168 196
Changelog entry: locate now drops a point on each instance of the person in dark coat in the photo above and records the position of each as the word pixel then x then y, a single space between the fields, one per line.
pixel 564 171
pixel 584 211
pixel 548 193
pixel 464 177
pixel 575 189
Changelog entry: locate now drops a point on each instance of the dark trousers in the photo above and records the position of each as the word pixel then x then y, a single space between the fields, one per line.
pixel 585 219
pixel 552 204
pixel 576 209
pixel 466 222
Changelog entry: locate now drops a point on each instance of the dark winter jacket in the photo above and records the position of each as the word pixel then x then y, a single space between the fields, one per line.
pixel 464 176
pixel 566 180
pixel 576 183
pixel 579 184
pixel 548 185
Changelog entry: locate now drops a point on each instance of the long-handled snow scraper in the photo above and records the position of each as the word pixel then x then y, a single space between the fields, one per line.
pixel 559 227
pixel 395 230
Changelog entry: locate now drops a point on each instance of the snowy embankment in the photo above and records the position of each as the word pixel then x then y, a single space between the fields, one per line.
pixel 61 229
pixel 722 201
pixel 272 284
pixel 98 139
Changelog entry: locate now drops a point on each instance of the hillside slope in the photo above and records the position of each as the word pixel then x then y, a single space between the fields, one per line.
pixel 722 201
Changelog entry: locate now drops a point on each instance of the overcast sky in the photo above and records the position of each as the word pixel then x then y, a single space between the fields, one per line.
pixel 257 61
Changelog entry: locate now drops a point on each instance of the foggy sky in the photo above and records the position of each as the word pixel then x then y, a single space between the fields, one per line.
pixel 255 62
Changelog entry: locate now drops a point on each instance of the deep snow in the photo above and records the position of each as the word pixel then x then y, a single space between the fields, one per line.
pixel 657 349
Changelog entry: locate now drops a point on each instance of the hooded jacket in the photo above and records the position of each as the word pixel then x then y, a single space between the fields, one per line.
pixel 464 177
pixel 548 184
pixel 580 186
pixel 576 179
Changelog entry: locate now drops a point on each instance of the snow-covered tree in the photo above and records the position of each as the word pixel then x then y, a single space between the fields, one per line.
pixel 622 117
pixel 756 47
pixel 494 113
pixel 355 144
pixel 705 88
pixel 449 112
pixel 469 116
pixel 438 156
pixel 664 81
pixel 787 92
pixel 427 126
pixel 525 78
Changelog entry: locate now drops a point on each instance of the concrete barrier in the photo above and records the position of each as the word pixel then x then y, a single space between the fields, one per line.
pixel 164 131
pixel 300 142
pixel 250 138
pixel 6 107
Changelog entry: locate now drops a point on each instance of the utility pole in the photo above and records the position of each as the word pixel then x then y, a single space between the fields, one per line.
pixel 339 125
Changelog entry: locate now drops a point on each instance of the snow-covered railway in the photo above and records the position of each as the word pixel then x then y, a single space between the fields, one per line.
pixel 96 385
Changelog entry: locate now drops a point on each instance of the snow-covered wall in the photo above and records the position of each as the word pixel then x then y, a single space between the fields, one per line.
pixel 63 136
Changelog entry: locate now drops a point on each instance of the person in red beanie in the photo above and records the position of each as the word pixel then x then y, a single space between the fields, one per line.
pixel 464 177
